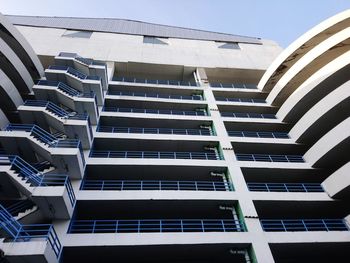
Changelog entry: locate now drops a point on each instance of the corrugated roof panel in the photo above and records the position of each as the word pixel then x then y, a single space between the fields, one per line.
pixel 122 26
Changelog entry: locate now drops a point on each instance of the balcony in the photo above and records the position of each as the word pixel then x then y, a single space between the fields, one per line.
pixel 243 100
pixel 155 95
pixel 255 134
pixel 285 187
pixel 270 158
pixel 155 155
pixel 293 225
pixel 199 112
pixel 77 80
pixel 232 85
pixel 52 193
pixel 50 116
pixel 161 216
pixel 125 185
pixel 155 81
pixel 32 243
pixel 248 115
pixel 66 155
pixel 60 93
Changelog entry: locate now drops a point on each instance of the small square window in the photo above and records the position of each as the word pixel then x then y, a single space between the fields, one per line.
pixel 155 40
pixel 228 45
pixel 77 34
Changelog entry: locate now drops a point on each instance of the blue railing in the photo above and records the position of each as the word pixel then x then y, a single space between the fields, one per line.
pixel 156 225
pixel 20 206
pixel 21 233
pixel 35 178
pixel 53 108
pixel 44 136
pixel 232 85
pixel 74 72
pixel 66 89
pixel 201 112
pixel 248 115
pixel 156 81
pixel 155 155
pixel 287 225
pixel 270 158
pixel 203 132
pixel 123 185
pixel 86 61
pixel 155 95
pixel 240 100
pixel 287 187
pixel 276 135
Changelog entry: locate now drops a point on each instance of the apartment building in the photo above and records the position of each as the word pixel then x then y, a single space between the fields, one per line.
pixel 125 141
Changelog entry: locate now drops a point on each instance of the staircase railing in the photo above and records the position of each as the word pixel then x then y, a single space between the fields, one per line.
pixel 19 206
pixel 20 233
pixel 53 108
pixel 44 136
pixel 65 88
pixel 36 178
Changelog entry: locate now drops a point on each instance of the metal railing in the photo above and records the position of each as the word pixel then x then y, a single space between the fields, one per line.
pixel 74 72
pixel 19 233
pixel 155 155
pixel 203 132
pixel 43 136
pixel 248 115
pixel 286 225
pixel 240 100
pixel 155 95
pixel 123 185
pixel 19 206
pixel 53 108
pixel 200 112
pixel 156 81
pixel 276 135
pixel 156 225
pixel 35 178
pixel 270 158
pixel 86 61
pixel 66 89
pixel 285 187
pixel 232 85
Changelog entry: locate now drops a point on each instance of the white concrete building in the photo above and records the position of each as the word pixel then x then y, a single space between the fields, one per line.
pixel 124 141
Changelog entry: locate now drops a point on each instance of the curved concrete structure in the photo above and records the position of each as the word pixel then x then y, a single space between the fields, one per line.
pixel 315 59
pixel 21 47
pixel 301 46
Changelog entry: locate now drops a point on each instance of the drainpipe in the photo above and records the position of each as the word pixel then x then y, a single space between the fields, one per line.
pixel 241 252
pixel 215 150
pixel 208 128
pixel 234 214
pixel 224 179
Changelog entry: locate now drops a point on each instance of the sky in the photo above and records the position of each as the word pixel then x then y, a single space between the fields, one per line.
pixel 280 20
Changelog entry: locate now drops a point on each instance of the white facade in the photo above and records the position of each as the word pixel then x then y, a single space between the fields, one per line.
pixel 191 152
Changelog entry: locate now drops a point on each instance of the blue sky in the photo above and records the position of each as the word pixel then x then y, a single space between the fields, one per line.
pixel 279 20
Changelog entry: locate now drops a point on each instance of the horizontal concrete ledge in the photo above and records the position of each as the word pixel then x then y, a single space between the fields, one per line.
pixel 133 161
pixel 154 116
pixel 308 237
pixel 134 84
pixel 262 140
pixel 135 239
pixel 288 196
pixel 279 165
pixel 139 98
pixel 140 136
pixel 156 195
